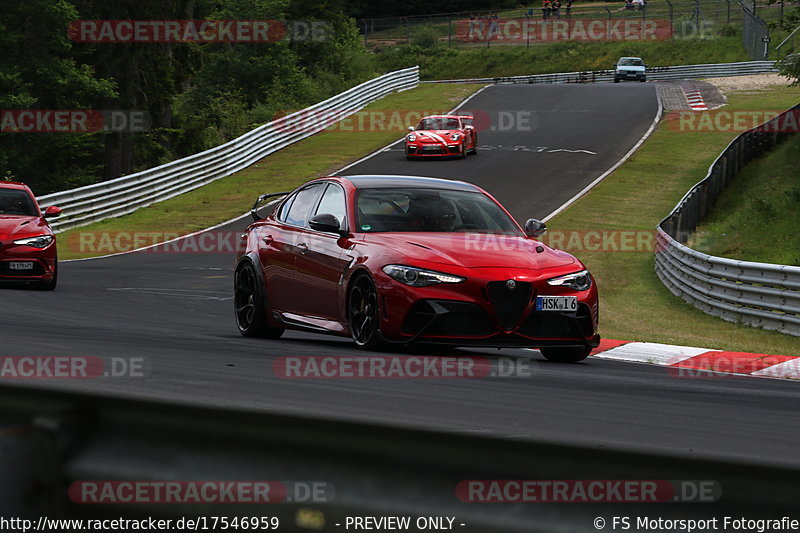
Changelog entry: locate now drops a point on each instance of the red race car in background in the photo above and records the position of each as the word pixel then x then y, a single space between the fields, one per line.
pixel 398 259
pixel 442 136
pixel 27 244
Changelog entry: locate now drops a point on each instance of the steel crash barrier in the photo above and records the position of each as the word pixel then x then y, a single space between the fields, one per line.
pixel 126 194
pixel 70 455
pixel 757 294
pixel 715 70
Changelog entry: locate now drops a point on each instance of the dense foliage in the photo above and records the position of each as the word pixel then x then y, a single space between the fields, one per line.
pixel 197 94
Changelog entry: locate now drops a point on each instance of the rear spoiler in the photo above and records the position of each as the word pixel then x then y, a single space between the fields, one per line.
pixel 254 210
pixel 468 117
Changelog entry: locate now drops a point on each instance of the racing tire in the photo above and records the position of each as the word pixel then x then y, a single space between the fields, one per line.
pixel 565 355
pixel 250 306
pixel 363 313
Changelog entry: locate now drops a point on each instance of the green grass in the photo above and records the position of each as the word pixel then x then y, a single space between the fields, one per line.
pixel 756 216
pixel 506 60
pixel 634 303
pixel 318 155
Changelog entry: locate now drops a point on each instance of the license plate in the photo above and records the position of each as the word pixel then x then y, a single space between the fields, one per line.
pixel 20 265
pixel 431 149
pixel 557 303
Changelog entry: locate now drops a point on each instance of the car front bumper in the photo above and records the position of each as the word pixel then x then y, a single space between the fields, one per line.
pixel 478 312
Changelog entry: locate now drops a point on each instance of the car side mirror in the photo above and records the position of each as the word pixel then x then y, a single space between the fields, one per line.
pixel 411 128
pixel 327 223
pixel 535 227
pixel 52 211
pixel 469 127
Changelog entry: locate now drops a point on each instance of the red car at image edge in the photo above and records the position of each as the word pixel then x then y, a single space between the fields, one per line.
pixel 27 244
pixel 395 260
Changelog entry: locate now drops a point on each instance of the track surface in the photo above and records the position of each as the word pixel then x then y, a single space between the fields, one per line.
pixel 175 311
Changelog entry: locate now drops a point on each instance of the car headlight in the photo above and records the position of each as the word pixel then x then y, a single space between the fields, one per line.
pixel 412 138
pixel 417 277
pixel 455 136
pixel 41 241
pixel 579 281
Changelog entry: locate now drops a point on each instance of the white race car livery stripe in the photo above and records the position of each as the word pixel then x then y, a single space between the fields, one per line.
pixel 434 137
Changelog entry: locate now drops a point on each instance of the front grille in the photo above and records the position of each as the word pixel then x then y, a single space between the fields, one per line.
pixel 449 319
pixel 509 304
pixel 549 324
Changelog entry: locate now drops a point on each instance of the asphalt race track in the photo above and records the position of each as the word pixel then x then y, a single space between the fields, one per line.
pixel 174 310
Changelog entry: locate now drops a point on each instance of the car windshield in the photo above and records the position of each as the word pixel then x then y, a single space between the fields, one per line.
pixel 389 210
pixel 629 62
pixel 439 123
pixel 16 202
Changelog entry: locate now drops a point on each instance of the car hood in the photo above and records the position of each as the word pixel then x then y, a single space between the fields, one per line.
pixel 22 225
pixel 436 135
pixel 471 250
pixel 630 68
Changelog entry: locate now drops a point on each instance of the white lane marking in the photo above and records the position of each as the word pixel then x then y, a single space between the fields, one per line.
pixel 617 165
pixel 651 352
pixel 571 151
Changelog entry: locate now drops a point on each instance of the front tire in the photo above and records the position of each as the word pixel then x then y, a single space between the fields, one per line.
pixel 363 313
pixel 249 304
pixel 565 355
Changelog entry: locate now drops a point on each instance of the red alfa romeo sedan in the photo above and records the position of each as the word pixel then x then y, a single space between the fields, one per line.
pixel 27 244
pixel 395 260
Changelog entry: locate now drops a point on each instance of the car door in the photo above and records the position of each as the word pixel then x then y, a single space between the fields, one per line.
pixel 278 246
pixel 321 261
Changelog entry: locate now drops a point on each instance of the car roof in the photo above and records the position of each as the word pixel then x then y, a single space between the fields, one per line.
pixel 443 116
pixel 13 185
pixel 419 182
pixel 630 57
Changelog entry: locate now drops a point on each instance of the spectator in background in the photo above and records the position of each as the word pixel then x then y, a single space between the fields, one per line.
pixel 545 9
pixel 568 6
pixel 556 8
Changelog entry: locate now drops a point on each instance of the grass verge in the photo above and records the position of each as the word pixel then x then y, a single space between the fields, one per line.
pixel 229 197
pixel 449 63
pixel 634 303
pixel 756 216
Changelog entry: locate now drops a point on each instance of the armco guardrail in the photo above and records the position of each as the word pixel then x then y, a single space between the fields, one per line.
pixel 714 70
pixel 53 441
pixel 126 194
pixel 757 294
